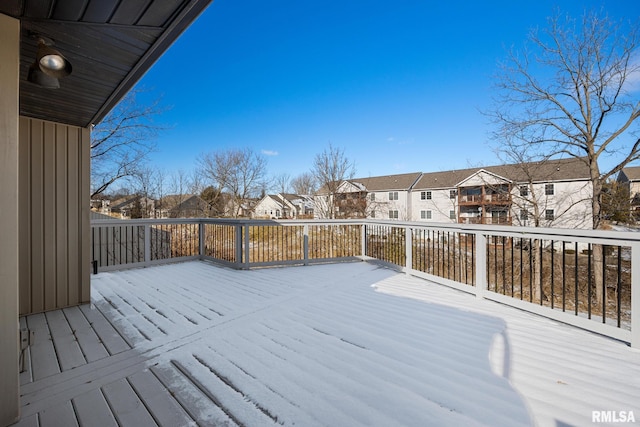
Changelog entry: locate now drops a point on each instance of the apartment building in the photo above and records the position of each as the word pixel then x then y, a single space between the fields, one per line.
pixel 553 193
pixel 372 197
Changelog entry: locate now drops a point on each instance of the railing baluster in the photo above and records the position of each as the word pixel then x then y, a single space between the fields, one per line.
pixel 604 283
pixel 552 275
pixel 576 280
pixel 619 287
pixel 589 281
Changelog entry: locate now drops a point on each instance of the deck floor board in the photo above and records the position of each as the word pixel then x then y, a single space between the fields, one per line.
pixel 108 335
pixel 162 406
pixel 90 344
pixel 57 416
pixel 92 409
pixel 44 360
pixel 126 405
pixel 64 339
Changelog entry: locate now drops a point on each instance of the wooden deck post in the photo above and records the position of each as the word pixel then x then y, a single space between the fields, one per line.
pixel 481 264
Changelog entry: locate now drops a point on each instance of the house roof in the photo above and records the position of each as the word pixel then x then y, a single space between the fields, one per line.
pixel 191 202
pixel 632 173
pixel 110 45
pixel 97 215
pixel 550 170
pixel 124 202
pixel 292 197
pixel 387 182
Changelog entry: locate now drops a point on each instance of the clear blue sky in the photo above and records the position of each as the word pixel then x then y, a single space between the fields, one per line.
pixel 397 84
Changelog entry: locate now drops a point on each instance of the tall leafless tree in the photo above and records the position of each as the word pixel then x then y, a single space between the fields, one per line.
pixel 330 168
pixel 239 172
pixel 574 92
pixel 282 184
pixel 122 141
pixel 304 184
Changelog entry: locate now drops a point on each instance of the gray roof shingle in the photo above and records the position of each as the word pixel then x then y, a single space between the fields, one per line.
pixel 547 171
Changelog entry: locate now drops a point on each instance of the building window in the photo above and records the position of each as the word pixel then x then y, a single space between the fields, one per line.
pixel 524 215
pixel 393 195
pixel 548 189
pixel 452 214
pixel 423 195
pixel 372 196
pixel 428 214
pixel 524 191
pixel 428 195
pixel 393 214
pixel 423 214
pixel 452 194
pixel 549 215
pixel 373 214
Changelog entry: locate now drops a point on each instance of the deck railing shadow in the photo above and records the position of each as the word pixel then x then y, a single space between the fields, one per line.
pixel 557 273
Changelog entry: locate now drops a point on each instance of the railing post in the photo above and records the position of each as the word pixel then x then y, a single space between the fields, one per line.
pixel 147 244
pixel 481 264
pixel 305 244
pixel 238 241
pixel 201 239
pixel 363 239
pixel 246 246
pixel 408 239
pixel 635 295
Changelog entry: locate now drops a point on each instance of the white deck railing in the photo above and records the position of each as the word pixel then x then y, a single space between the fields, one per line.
pixel 552 272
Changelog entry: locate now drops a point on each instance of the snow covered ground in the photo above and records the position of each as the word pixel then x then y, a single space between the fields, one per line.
pixel 335 345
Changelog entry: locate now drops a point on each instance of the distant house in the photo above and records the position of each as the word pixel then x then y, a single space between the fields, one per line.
pixel 135 206
pixel 283 206
pixel 184 206
pixel 630 176
pixel 303 204
pixel 372 197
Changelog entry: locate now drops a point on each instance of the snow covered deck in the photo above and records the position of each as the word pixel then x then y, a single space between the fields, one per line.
pixel 341 345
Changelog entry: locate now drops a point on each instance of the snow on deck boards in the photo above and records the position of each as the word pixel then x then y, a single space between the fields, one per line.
pixel 340 345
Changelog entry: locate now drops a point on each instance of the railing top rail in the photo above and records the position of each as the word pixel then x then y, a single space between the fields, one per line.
pixel 505 230
pixel 518 231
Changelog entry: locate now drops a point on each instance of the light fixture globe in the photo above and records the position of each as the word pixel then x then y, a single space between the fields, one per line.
pixel 52 62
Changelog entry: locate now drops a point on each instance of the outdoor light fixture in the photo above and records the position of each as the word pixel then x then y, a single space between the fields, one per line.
pixel 37 76
pixel 50 65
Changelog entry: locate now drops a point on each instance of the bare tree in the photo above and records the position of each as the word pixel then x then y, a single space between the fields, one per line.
pixel 573 94
pixel 180 186
pixel 240 172
pixel 146 182
pixel 304 184
pixel 122 142
pixel 330 169
pixel 282 185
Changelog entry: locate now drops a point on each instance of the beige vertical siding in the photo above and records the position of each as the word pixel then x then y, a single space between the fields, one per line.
pixel 9 233
pixel 54 215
